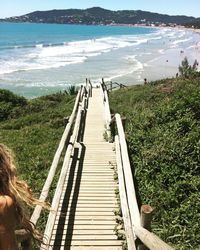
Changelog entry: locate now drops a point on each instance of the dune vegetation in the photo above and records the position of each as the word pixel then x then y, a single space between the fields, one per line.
pixel 32 129
pixel 162 131
pixel 163 135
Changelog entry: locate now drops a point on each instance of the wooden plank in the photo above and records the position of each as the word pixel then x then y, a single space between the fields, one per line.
pixel 96 172
pixel 96 191
pixel 102 188
pixel 94 248
pixel 89 222
pixel 89 218
pixel 85 195
pixel 91 243
pixel 92 201
pixel 93 205
pixel 85 237
pixel 90 208
pixel 108 175
pixel 93 213
pixel 86 231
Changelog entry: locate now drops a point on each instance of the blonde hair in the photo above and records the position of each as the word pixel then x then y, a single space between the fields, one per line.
pixel 18 190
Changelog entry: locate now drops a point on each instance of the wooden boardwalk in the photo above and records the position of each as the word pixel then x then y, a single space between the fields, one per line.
pixel 82 215
pixel 85 219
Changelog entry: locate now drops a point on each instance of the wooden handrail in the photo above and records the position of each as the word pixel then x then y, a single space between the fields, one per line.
pixel 106 106
pixel 110 83
pixel 67 159
pixel 22 235
pixel 131 194
pixel 152 241
pixel 45 190
pixel 149 239
pixel 130 237
pixel 90 89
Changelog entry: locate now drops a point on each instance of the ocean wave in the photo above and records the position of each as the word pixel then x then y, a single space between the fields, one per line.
pixel 137 65
pixel 45 56
pixel 34 45
pixel 181 41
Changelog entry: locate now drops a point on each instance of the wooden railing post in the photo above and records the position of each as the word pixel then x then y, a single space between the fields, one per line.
pixel 26 245
pixel 112 127
pixel 23 239
pixel 146 212
pixel 111 86
pixel 90 89
pixel 124 122
pixel 66 120
pixel 146 216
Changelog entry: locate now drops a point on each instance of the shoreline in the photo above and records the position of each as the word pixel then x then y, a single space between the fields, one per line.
pixel 129 59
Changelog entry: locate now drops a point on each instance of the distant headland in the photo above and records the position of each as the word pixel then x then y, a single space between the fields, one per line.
pixel 100 16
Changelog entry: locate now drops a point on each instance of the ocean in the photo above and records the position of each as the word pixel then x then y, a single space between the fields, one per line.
pixel 38 59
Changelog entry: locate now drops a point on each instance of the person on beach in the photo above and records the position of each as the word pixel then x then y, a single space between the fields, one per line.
pixel 14 194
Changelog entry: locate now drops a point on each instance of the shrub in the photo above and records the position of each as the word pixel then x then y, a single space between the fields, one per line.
pixel 8 96
pixel 186 70
pixel 72 90
pixel 8 102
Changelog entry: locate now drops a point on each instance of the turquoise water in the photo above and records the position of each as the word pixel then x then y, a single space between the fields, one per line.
pixel 37 59
pixel 14 35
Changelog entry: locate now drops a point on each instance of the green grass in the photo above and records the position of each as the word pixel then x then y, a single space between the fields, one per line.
pixel 163 132
pixel 33 129
pixel 33 133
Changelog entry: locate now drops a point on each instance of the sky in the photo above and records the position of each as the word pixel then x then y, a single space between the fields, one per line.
pixel 171 7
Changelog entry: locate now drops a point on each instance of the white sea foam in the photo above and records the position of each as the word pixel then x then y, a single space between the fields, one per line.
pixel 54 56
pixel 39 45
pixel 161 51
pixel 181 41
pixel 177 43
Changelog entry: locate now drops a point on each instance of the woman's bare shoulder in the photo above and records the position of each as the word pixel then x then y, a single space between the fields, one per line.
pixel 5 200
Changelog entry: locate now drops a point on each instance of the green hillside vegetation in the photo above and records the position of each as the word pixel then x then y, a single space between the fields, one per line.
pixel 97 15
pixel 194 24
pixel 32 129
pixel 163 132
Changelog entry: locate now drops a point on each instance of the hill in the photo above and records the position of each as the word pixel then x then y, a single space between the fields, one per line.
pixel 162 131
pixel 97 15
pixel 194 24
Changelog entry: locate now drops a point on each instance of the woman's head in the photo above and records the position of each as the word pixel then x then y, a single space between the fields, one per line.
pixel 7 170
pixel 17 189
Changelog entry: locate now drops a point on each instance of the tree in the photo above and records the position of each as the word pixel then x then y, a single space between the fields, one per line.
pixel 186 70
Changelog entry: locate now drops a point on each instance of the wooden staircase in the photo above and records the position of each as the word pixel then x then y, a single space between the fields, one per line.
pixel 85 218
pixel 82 215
